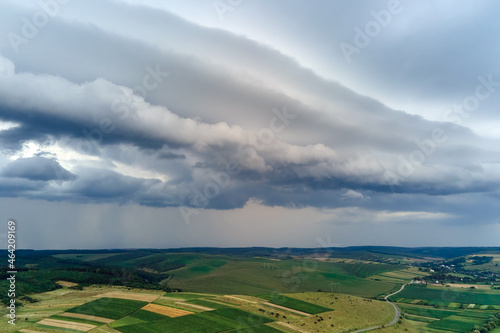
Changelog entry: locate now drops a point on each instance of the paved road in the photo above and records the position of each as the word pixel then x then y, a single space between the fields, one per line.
pixel 396 317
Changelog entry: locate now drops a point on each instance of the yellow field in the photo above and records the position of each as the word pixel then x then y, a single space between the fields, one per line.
pixel 166 311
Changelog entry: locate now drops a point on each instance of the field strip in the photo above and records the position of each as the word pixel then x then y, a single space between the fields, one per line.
pixel 424 317
pixel 53 305
pixel 84 316
pixel 199 307
pixel 166 311
pixel 465 286
pixel 287 309
pixel 131 296
pixel 66 283
pixel 241 299
pixel 25 330
pixel 173 299
pixel 67 324
pixel 219 302
pixel 290 326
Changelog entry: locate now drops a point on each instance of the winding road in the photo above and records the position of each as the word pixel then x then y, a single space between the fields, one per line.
pixel 395 308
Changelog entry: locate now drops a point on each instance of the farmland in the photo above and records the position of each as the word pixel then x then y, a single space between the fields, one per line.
pixel 448 309
pixel 444 296
pixel 457 320
pixel 244 314
pixel 251 290
pixel 112 308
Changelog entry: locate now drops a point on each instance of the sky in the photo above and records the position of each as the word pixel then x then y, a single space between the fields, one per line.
pixel 230 123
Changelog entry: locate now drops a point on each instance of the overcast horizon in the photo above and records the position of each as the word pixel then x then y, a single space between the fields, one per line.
pixel 166 124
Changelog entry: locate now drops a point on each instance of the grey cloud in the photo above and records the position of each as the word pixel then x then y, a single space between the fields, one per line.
pixel 37 168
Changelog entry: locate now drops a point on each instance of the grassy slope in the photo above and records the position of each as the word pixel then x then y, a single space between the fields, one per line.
pixel 348 313
pixel 493 266
pixel 407 326
pixel 256 277
pixel 250 275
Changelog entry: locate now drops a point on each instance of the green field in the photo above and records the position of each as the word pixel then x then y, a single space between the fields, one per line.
pixel 457 323
pixel 146 315
pixel 186 324
pixel 211 321
pixel 443 297
pixel 425 311
pixel 421 319
pixel 296 304
pixel 126 321
pixel 240 317
pixel 447 320
pixel 112 308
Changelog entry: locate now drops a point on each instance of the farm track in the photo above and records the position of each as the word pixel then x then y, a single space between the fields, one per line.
pixel 173 299
pixel 48 306
pixel 195 306
pixel 287 309
pixel 241 299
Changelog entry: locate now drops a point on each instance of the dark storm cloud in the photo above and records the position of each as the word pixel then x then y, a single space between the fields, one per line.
pixel 12 139
pixel 170 156
pixel 37 168
pixel 107 185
